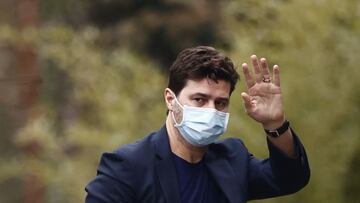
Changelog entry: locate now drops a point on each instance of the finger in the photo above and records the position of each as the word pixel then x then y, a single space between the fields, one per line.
pixel 264 68
pixel 248 77
pixel 276 75
pixel 257 70
pixel 247 101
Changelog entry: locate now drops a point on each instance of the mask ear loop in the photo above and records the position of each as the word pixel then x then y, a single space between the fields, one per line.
pixel 172 112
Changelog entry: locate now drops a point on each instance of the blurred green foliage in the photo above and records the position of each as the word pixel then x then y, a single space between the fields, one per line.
pixel 156 28
pixel 102 86
pixel 100 100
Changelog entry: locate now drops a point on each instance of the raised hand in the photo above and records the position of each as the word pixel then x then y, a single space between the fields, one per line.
pixel 263 100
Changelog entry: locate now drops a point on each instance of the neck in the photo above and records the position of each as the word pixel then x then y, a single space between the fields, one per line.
pixel 180 146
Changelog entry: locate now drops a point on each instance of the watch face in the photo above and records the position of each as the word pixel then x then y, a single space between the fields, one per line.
pixel 277 132
pixel 274 134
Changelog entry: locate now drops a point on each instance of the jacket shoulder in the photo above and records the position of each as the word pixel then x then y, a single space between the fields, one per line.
pixel 123 172
pixel 137 149
pixel 128 159
pixel 138 153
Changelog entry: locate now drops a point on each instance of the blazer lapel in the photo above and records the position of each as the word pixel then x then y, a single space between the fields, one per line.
pixel 165 168
pixel 224 176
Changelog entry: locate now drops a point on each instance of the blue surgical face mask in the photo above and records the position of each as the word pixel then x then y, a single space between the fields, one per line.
pixel 201 126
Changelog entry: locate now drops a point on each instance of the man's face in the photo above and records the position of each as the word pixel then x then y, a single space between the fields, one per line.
pixel 206 93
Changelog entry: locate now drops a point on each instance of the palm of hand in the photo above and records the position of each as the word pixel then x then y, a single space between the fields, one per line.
pixel 263 102
pixel 266 102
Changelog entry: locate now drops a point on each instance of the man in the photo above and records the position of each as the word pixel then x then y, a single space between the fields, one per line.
pixel 184 162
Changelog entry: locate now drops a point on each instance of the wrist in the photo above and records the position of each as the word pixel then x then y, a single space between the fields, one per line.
pixel 279 130
pixel 272 125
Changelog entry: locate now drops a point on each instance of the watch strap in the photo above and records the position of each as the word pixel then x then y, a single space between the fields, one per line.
pixel 278 131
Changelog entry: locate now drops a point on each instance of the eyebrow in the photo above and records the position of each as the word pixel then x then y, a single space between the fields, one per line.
pixel 207 96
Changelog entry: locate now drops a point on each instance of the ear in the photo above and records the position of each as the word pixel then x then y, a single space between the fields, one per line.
pixel 169 99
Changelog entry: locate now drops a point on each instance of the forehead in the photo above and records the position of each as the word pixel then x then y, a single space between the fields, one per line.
pixel 221 88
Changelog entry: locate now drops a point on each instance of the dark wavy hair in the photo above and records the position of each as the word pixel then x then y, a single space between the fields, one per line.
pixel 198 63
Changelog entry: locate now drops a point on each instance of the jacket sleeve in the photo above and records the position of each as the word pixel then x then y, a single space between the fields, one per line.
pixel 279 174
pixel 113 181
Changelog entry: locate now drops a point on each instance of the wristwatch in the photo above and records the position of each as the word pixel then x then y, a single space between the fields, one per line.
pixel 278 131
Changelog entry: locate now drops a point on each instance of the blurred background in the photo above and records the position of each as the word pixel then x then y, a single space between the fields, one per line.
pixel 79 78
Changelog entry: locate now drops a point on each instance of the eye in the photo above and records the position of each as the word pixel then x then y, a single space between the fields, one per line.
pixel 199 100
pixel 221 104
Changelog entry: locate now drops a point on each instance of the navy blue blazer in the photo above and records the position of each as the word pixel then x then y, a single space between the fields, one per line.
pixel 144 172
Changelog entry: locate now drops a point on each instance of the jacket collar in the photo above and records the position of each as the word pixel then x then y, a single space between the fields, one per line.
pixel 165 168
